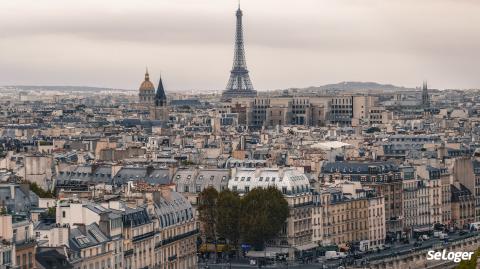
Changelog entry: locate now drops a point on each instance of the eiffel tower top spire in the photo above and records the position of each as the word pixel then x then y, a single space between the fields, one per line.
pixel 239 84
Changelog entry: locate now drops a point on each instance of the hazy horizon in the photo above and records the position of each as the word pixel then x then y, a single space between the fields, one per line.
pixel 289 44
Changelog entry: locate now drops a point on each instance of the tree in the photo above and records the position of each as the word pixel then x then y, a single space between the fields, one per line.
pixel 264 212
pixel 207 209
pixel 469 264
pixel 372 130
pixel 40 192
pixel 228 216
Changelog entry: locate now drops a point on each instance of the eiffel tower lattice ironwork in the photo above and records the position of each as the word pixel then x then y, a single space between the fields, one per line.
pixel 239 84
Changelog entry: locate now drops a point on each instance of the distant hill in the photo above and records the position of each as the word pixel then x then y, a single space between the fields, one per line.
pixel 61 88
pixel 351 86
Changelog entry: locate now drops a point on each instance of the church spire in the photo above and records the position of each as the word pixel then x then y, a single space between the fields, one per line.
pixel 425 96
pixel 147 76
pixel 160 96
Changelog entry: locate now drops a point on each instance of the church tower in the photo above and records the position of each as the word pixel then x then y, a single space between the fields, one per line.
pixel 425 96
pixel 159 110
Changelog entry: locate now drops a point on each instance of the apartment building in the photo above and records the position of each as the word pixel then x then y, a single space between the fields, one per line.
pixel 352 214
pixel 310 110
pixel 384 177
pixel 463 206
pixel 295 186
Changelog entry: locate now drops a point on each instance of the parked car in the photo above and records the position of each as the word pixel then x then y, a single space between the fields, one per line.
pixel 358 255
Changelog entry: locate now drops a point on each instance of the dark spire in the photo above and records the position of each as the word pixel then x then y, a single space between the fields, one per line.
pixel 425 96
pixel 160 96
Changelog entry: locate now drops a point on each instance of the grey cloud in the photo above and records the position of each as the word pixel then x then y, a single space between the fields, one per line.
pixel 382 40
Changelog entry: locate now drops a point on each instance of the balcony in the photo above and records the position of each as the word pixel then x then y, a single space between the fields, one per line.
pixel 128 253
pixel 176 238
pixel 303 204
pixel 143 236
pixel 24 244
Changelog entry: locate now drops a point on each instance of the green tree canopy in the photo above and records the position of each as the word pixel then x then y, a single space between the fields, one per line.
pixel 40 192
pixel 264 212
pixel 470 264
pixel 228 217
pixel 207 209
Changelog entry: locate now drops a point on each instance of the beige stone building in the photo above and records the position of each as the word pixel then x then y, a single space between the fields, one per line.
pixel 343 110
pixel 463 206
pixel 352 215
pixel 383 177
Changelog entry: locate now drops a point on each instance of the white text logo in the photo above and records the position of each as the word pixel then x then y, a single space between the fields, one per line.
pixel 450 256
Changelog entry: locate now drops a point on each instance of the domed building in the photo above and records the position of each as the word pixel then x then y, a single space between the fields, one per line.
pixel 147 91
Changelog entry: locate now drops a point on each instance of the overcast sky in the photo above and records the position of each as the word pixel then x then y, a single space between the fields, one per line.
pixel 289 43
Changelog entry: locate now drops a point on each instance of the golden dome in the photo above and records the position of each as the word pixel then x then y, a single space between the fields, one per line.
pixel 147 85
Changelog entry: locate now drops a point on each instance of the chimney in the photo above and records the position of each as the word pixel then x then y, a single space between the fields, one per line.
pixel 81 227
pixel 166 193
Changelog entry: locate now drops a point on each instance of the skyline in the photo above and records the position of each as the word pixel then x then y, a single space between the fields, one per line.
pixel 381 41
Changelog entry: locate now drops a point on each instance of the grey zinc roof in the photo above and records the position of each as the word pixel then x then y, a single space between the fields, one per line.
pixel 357 167
pixel 199 179
pixel 153 176
pixel 172 211
pixel 92 236
pixel 133 217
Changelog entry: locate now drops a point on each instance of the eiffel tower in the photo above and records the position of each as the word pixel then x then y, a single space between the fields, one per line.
pixel 239 84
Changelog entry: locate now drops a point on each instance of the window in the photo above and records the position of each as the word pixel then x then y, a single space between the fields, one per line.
pixel 63 214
